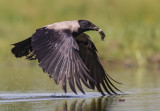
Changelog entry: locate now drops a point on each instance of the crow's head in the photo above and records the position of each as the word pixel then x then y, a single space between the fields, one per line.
pixel 86 25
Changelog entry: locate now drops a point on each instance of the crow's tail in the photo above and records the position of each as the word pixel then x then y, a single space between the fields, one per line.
pixel 22 48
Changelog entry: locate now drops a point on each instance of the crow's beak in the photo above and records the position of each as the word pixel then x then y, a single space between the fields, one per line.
pixel 102 34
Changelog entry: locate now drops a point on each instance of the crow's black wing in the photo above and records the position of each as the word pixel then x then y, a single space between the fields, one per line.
pixel 88 53
pixel 58 55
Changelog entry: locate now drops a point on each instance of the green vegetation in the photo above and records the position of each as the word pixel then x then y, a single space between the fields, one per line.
pixel 132 27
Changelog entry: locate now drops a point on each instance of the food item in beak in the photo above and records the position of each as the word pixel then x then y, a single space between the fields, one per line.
pixel 102 34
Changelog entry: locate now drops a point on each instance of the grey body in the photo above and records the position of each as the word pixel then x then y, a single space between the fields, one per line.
pixel 71 25
pixel 65 52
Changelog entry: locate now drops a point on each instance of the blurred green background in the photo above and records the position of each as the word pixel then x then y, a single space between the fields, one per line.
pixel 132 27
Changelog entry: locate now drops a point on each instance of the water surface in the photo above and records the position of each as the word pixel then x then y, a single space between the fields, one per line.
pixel 28 89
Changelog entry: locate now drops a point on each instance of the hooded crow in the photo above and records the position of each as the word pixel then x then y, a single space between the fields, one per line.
pixel 66 53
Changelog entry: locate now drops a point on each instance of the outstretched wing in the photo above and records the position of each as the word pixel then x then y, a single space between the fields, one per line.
pixel 58 55
pixel 87 51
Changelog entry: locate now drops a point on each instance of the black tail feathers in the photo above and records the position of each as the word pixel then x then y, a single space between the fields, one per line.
pixel 22 48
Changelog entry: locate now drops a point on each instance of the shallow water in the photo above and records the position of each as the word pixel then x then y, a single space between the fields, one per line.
pixel 31 90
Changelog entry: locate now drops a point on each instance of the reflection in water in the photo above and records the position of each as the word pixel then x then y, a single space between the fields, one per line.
pixel 95 104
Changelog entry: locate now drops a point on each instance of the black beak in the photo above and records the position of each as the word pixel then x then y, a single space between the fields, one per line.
pixel 96 28
pixel 102 34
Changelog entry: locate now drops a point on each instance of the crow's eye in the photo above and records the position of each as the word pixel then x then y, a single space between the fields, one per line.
pixel 86 43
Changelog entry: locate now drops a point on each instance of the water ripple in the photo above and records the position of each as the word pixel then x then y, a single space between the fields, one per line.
pixel 23 97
